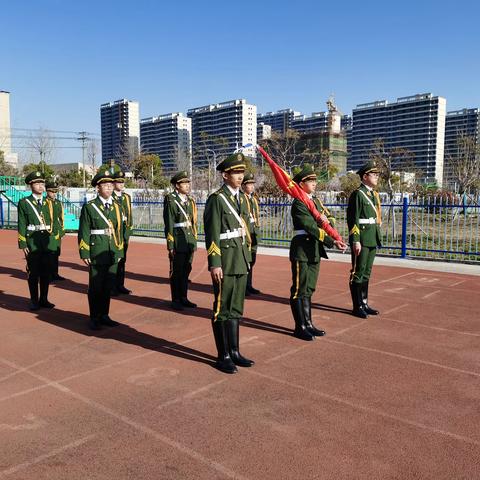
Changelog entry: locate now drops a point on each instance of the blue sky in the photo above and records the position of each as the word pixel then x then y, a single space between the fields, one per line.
pixel 62 59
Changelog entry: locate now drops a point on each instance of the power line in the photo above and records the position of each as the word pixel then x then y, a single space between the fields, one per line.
pixel 47 130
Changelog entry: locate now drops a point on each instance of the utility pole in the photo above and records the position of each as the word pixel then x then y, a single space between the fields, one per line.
pixel 82 137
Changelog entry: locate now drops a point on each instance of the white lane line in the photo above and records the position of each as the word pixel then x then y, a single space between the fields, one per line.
pixel 406 357
pixel 431 294
pixel 138 426
pixel 394 309
pixel 45 456
pixel 440 329
pixel 457 283
pixel 363 408
pixel 191 394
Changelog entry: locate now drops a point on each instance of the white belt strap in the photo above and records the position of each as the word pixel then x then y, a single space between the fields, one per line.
pixel 367 221
pixel 184 213
pixel 36 228
pixel 369 201
pixel 182 224
pixel 299 232
pixel 103 231
pixel 239 232
pixel 40 219
pixel 109 224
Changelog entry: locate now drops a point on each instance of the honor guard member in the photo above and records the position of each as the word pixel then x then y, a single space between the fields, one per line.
pixel 227 241
pixel 248 187
pixel 101 247
pixel 307 247
pixel 364 219
pixel 58 230
pixel 34 231
pixel 125 202
pixel 180 220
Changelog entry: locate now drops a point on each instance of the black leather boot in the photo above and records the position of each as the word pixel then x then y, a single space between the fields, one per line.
pixel 43 302
pixel 367 308
pixel 33 288
pixel 224 363
pixel 307 311
pixel 301 330
pixel 357 301
pixel 233 327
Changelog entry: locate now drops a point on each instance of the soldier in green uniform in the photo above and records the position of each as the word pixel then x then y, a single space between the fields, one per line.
pixel 125 202
pixel 248 187
pixel 34 231
pixel 364 220
pixel 100 241
pixel 306 249
pixel 180 220
pixel 227 240
pixel 58 230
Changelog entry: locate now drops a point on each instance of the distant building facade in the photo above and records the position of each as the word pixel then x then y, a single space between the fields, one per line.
pixel 170 137
pixel 415 123
pixel 219 129
pixel 120 129
pixel 5 131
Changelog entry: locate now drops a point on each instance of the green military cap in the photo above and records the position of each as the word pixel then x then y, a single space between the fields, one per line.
pixel 180 177
pixel 50 184
pixel 306 173
pixel 235 161
pixel 118 176
pixel 34 177
pixel 248 178
pixel 103 175
pixel 369 167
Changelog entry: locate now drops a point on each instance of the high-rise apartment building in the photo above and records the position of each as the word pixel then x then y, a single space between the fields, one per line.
pixel 459 123
pixel 264 131
pixel 415 124
pixel 221 128
pixel 5 131
pixel 280 121
pixel 120 129
pixel 170 137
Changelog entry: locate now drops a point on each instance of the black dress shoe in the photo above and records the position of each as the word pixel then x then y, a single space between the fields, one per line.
pixel 106 320
pixel 177 305
pixel 45 304
pixel 303 334
pixel 124 290
pixel 360 313
pixel 370 310
pixel 187 303
pixel 33 306
pixel 226 365
pixel 253 291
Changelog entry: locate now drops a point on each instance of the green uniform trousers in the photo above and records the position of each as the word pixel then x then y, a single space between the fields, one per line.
pixel 121 266
pixel 229 297
pixel 101 280
pixel 362 265
pixel 304 279
pixel 180 268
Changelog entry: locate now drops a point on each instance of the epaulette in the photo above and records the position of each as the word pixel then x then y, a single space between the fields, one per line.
pixel 91 201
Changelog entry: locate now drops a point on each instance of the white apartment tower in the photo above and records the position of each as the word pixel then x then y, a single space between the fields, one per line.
pixel 170 137
pixel 5 131
pixel 221 128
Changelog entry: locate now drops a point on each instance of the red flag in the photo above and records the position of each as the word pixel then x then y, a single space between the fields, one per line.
pixel 293 189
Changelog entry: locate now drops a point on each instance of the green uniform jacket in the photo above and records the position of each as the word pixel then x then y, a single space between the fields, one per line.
pixel 56 209
pixel 35 240
pixel 180 239
pixel 254 219
pixel 360 207
pixel 310 247
pixel 125 201
pixel 100 249
pixel 232 254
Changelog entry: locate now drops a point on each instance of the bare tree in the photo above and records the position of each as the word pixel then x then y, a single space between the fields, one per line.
pixel 283 148
pixel 93 149
pixel 463 168
pixel 43 144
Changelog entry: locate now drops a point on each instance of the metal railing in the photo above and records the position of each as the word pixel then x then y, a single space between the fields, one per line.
pixel 424 228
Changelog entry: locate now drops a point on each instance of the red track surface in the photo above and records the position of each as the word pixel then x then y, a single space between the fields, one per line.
pixel 392 397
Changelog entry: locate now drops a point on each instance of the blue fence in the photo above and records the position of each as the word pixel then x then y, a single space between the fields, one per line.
pixel 424 228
